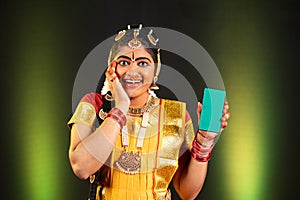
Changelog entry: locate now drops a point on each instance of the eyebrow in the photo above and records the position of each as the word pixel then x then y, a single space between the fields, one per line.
pixel 142 58
pixel 126 57
pixel 139 58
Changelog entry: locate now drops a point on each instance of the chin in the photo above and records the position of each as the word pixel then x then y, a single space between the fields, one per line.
pixel 138 92
pixel 133 94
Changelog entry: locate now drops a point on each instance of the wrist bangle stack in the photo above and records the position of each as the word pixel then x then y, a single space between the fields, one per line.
pixel 200 151
pixel 117 115
pixel 200 154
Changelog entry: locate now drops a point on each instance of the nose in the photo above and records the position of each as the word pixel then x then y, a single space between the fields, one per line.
pixel 133 66
pixel 133 71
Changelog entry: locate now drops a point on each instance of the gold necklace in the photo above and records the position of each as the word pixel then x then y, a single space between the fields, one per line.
pixel 129 162
pixel 140 111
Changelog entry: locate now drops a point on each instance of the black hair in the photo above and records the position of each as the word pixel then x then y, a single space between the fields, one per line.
pixel 152 49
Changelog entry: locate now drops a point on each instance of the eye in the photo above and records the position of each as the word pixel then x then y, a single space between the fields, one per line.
pixel 143 64
pixel 124 63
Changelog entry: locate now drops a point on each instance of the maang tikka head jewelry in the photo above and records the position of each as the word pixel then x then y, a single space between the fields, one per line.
pixel 135 43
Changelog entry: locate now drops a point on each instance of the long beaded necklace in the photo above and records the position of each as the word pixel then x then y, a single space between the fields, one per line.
pixel 129 162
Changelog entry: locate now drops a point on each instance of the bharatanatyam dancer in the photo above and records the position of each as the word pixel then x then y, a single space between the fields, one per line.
pixel 130 143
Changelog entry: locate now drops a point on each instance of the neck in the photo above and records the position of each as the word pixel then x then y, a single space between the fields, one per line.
pixel 139 101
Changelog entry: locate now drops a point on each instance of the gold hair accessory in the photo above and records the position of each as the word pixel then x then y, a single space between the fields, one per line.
pixel 135 43
pixel 120 35
pixel 151 38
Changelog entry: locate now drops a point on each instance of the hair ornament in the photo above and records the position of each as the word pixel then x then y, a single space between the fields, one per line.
pixel 151 38
pixel 120 35
pixel 135 43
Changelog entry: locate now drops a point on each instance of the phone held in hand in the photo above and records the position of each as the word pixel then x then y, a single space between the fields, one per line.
pixel 212 108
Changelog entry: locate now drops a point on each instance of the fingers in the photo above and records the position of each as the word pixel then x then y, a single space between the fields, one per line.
pixel 224 124
pixel 225 116
pixel 115 86
pixel 199 108
pixel 112 67
pixel 226 107
pixel 114 76
pixel 111 76
pixel 111 72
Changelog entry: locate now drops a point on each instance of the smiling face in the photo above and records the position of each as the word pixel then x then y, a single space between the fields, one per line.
pixel 135 69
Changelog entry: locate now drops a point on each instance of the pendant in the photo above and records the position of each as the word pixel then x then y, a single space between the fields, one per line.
pixel 129 162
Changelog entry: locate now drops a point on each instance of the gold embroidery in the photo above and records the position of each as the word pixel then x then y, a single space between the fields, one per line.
pixel 152 180
pixel 170 130
pixel 173 116
pixel 189 134
pixel 85 114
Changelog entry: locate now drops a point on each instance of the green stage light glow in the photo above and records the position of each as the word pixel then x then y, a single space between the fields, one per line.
pixel 37 83
pixel 246 145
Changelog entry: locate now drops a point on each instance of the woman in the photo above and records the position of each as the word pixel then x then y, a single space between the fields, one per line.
pixel 143 142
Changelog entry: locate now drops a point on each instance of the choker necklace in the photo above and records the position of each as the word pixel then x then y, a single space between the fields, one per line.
pixel 129 162
pixel 140 111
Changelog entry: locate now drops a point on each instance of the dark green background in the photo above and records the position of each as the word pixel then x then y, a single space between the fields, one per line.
pixel 255 45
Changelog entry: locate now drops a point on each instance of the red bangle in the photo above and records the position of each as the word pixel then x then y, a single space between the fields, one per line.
pixel 201 158
pixel 118 115
pixel 200 154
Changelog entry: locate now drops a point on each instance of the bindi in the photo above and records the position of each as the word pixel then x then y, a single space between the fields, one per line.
pixel 132 57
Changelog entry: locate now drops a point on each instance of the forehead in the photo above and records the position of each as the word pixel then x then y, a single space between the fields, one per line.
pixel 140 52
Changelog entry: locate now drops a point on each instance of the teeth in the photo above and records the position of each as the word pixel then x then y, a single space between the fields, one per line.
pixel 133 81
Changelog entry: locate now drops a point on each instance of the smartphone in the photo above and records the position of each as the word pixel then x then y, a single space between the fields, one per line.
pixel 212 108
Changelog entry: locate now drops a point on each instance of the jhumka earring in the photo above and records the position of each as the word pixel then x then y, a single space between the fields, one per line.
pixel 153 85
